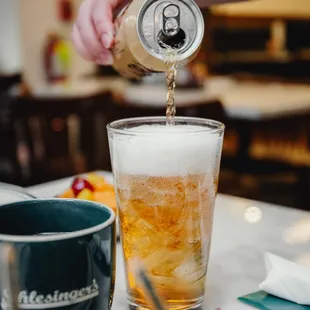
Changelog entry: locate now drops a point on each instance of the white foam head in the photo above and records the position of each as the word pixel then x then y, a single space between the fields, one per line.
pixel 165 150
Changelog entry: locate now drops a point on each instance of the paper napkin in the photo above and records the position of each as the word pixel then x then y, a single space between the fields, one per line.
pixel 286 280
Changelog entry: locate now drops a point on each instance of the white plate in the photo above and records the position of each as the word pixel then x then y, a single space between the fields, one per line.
pixel 54 188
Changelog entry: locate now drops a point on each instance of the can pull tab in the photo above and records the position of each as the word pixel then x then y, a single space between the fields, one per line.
pixel 171 34
pixel 171 20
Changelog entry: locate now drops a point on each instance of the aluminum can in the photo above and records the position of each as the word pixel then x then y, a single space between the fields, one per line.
pixel 146 29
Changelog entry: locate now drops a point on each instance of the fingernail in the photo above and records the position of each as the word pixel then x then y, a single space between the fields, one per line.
pixel 106 40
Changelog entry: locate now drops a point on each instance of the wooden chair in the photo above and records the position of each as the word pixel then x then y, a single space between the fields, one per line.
pixel 65 136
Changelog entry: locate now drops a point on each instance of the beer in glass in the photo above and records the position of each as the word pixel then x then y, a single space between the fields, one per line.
pixel 166 179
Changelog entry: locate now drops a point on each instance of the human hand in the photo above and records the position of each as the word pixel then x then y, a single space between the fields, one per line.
pixel 93 31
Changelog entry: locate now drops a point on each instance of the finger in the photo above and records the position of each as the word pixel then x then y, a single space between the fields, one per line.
pixel 87 30
pixel 79 45
pixel 105 58
pixel 102 16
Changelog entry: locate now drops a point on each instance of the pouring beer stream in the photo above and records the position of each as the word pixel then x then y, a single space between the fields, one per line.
pixel 170 79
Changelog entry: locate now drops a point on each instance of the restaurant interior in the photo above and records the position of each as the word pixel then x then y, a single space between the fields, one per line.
pixel 252 73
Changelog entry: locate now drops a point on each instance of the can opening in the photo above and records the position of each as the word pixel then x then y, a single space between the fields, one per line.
pixel 176 41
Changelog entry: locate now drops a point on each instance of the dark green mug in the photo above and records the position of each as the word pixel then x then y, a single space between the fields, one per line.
pixel 57 253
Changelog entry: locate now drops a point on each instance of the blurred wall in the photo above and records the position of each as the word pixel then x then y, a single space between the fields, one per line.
pixel 288 8
pixel 37 19
pixel 10 61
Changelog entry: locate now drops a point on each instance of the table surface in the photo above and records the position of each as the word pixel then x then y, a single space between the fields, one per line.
pixel 78 88
pixel 243 231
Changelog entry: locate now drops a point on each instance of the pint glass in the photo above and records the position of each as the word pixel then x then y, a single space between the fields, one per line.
pixel 166 179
